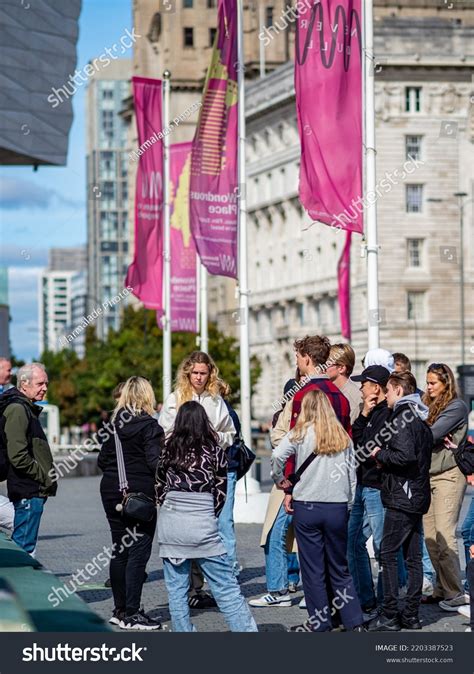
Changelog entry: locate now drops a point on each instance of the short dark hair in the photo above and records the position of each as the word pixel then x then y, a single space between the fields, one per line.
pixel 404 379
pixel 317 347
pixel 403 360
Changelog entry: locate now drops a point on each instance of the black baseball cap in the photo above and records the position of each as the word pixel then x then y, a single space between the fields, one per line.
pixel 376 373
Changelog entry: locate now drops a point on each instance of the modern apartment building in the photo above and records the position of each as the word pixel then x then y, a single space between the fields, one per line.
pixel 4 314
pixel 107 186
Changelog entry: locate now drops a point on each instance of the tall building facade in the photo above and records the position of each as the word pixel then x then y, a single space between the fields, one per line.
pixel 63 300
pixel 425 142
pixel 107 183
pixel 4 314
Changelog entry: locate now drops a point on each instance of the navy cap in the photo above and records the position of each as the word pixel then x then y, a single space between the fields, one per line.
pixel 376 373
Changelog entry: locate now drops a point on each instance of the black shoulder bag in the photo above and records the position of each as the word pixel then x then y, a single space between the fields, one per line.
pixel 136 505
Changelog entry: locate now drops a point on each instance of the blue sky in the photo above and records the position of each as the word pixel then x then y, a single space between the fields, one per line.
pixel 47 208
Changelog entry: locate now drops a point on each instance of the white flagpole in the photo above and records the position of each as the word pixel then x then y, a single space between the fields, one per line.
pixel 368 114
pixel 204 341
pixel 166 241
pixel 242 279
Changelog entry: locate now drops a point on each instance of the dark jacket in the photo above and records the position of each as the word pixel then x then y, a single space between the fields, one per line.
pixel 367 433
pixel 30 471
pixel 142 440
pixel 233 451
pixel 405 460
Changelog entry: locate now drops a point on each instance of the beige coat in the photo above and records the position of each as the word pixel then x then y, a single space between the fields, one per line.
pixel 277 495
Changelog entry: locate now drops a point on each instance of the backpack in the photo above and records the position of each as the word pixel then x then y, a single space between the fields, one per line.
pixel 464 456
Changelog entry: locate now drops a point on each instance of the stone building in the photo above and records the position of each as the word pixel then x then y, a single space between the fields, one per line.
pixel 424 110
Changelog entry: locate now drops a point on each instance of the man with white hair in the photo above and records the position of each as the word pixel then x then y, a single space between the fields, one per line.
pixel 7 511
pixel 25 451
pixel 5 374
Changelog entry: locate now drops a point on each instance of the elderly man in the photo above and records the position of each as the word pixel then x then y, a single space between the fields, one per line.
pixel 5 374
pixel 30 476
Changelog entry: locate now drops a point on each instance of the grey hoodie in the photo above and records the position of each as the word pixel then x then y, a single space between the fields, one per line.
pixel 418 407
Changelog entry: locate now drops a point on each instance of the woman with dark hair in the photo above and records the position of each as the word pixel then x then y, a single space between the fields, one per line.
pixel 191 489
pixel 447 418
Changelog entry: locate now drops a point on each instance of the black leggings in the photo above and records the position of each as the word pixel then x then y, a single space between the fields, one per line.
pixel 132 543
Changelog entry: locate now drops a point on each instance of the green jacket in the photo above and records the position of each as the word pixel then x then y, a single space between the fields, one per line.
pixel 31 471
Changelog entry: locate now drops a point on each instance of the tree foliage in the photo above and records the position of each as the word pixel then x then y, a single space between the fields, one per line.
pixel 83 387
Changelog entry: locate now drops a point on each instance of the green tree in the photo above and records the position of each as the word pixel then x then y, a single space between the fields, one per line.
pixel 83 387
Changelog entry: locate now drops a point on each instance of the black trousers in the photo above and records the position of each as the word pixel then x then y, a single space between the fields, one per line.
pixel 401 530
pixel 321 534
pixel 132 543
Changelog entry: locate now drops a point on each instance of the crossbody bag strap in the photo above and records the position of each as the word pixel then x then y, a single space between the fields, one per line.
pixel 308 461
pixel 123 484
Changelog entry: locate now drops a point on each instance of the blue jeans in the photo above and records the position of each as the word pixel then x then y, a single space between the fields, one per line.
pixel 428 570
pixel 27 520
pixel 281 566
pixel 226 522
pixel 366 519
pixel 223 585
pixel 467 531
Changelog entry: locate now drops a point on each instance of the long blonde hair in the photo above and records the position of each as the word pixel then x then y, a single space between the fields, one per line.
pixel 136 396
pixel 317 411
pixel 183 388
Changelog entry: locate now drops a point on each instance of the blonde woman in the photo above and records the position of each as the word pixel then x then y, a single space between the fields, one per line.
pixel 448 419
pixel 198 379
pixel 142 439
pixel 319 503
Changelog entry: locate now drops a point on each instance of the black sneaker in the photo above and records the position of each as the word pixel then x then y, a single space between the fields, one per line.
pixel 202 600
pixel 140 621
pixel 117 615
pixel 108 583
pixel 384 624
pixel 410 622
pixel 359 628
pixel 305 627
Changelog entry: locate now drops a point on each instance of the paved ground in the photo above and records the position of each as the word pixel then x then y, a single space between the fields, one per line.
pixel 74 531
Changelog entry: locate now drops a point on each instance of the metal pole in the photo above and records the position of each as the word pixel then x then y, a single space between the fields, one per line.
pixel 204 342
pixel 166 242
pixel 461 264
pixel 373 315
pixel 242 279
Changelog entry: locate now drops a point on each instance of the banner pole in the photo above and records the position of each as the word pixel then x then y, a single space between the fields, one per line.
pixel 243 317
pixel 166 241
pixel 368 114
pixel 204 342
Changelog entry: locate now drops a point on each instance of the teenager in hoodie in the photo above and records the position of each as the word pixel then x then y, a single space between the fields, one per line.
pixel 142 441
pixel 405 462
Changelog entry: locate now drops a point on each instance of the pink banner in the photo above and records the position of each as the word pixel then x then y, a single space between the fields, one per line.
pixel 145 273
pixel 328 84
pixel 183 250
pixel 214 179
pixel 344 287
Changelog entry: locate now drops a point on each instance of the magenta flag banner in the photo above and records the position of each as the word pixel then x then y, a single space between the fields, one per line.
pixel 214 177
pixel 328 84
pixel 183 250
pixel 344 287
pixel 145 274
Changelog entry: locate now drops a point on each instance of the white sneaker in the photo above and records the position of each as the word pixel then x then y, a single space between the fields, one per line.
pixel 454 603
pixel 271 600
pixel 468 629
pixel 427 586
pixel 465 611
pixel 302 603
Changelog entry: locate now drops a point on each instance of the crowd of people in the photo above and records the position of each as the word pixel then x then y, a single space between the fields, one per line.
pixel 354 458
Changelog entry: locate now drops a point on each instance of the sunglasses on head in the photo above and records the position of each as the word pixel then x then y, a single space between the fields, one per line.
pixel 437 366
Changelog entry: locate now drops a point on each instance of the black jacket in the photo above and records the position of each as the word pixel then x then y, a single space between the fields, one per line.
pixel 406 460
pixel 142 440
pixel 25 455
pixel 367 435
